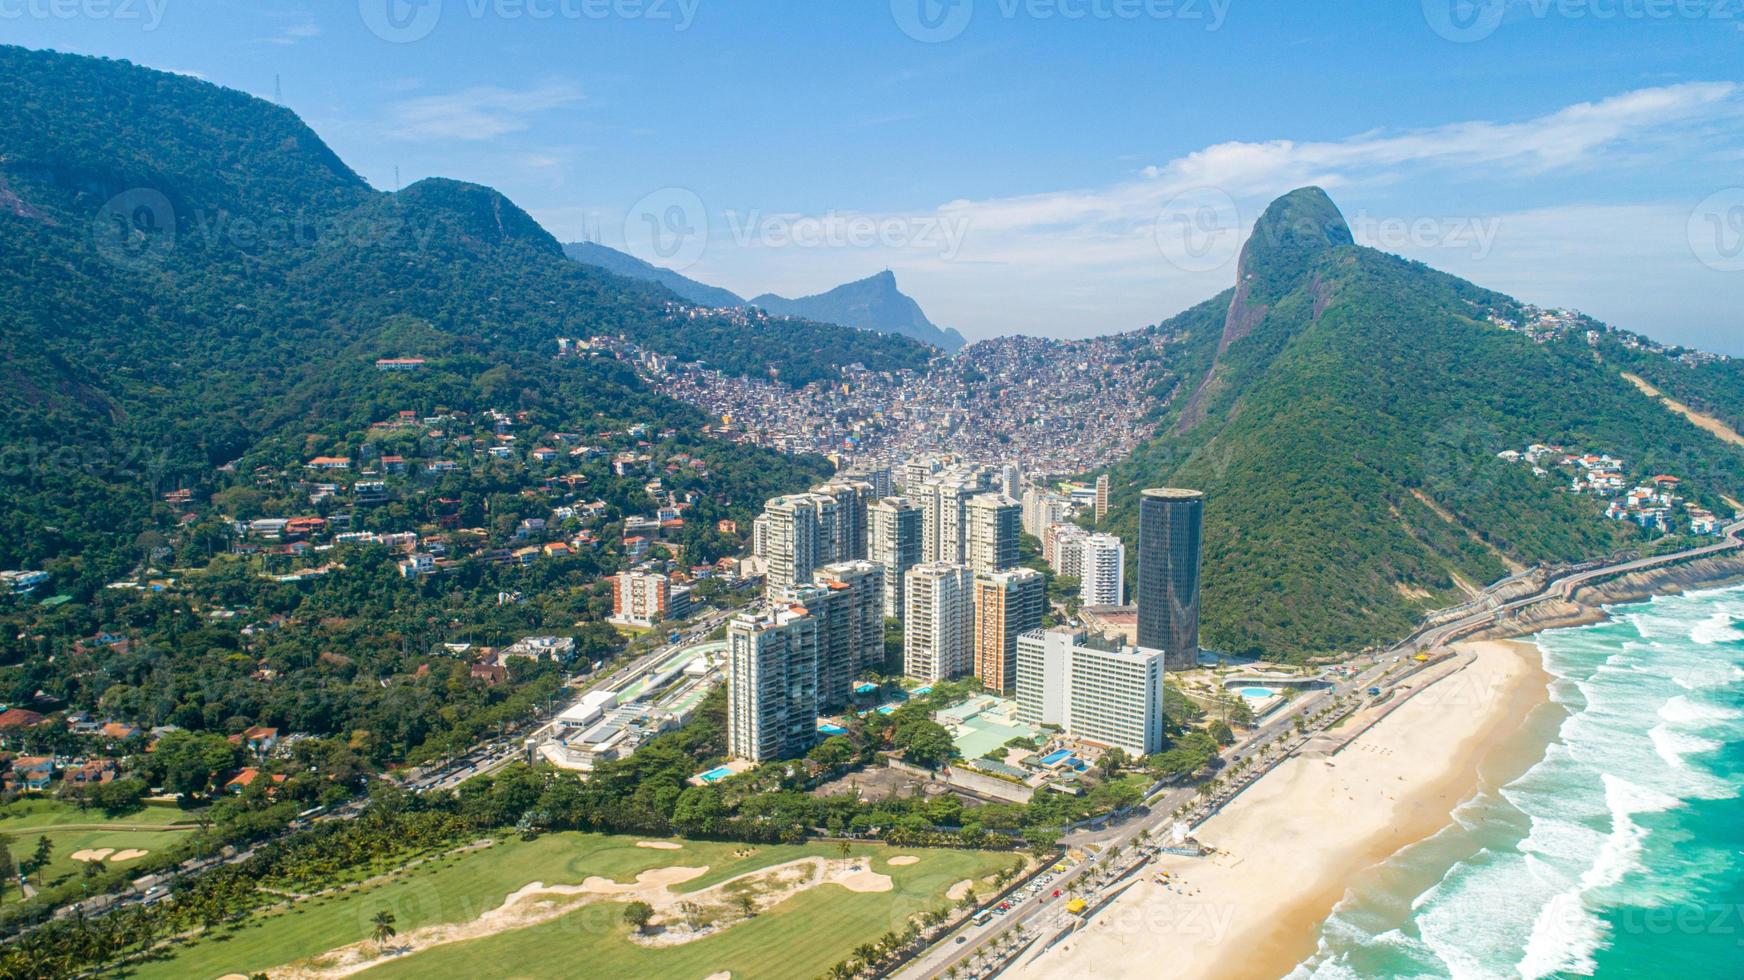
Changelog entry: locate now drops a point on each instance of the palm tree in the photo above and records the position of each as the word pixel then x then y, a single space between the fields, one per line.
pixel 382 926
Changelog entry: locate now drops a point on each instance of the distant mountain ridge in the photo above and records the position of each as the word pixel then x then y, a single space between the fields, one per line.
pixel 625 264
pixel 874 303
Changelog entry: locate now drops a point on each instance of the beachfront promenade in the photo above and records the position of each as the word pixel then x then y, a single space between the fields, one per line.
pixel 1111 863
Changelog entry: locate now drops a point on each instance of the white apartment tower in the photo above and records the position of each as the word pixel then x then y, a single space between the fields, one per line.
pixel 1104 571
pixel 893 531
pixel 994 522
pixel 944 502
pixel 1092 689
pixel 938 621
pixel 791 540
pixel 771 684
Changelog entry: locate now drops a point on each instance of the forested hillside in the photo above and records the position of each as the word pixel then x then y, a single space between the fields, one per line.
pixel 196 295
pixel 188 271
pixel 1347 429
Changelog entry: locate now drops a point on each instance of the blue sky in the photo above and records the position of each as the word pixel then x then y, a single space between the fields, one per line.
pixel 1060 167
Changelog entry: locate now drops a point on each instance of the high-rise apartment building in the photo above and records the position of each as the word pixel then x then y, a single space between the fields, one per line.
pixel 771 684
pixel 893 534
pixel 1094 690
pixel 1007 605
pixel 854 624
pixel 847 537
pixel 1170 525
pixel 1103 573
pixel 938 621
pixel 919 469
pixel 879 477
pixel 993 523
pixel 944 502
pixel 1101 497
pixel 1042 508
pixel 760 536
pixel 791 540
pixel 1063 549
pixel 1011 481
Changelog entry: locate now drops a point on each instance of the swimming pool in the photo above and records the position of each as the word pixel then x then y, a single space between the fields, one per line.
pixel 921 692
pixel 1053 757
pixel 1258 693
pixel 829 729
pixel 715 775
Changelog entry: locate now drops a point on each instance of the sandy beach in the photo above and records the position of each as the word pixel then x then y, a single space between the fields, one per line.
pixel 1289 846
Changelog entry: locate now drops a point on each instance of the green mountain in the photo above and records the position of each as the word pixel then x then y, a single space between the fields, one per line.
pixel 873 303
pixel 627 265
pixel 1344 409
pixel 191 275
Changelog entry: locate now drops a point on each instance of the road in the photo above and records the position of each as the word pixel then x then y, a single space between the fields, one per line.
pixel 1043 913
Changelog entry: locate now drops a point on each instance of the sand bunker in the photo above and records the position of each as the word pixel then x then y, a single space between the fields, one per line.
pixel 130 854
pixel 960 889
pixel 660 845
pixel 93 854
pixel 902 859
pixel 537 903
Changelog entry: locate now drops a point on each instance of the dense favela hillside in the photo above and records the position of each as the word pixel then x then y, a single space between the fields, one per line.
pixel 272 437
pixel 1345 409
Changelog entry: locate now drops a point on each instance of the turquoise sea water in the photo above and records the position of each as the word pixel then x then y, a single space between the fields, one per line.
pixel 1618 853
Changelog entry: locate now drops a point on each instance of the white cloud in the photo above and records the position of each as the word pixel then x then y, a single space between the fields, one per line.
pixel 479 113
pixel 1084 261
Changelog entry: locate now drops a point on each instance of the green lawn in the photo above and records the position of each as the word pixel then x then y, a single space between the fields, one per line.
pixel 73 830
pixel 798 938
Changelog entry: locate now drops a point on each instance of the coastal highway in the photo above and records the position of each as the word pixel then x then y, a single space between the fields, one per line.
pixel 1043 913
pixel 1563 587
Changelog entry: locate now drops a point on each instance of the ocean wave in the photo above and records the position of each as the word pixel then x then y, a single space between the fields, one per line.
pixel 1534 869
pixel 1688 712
pixel 1718 628
pixel 1676 747
pixel 1568 931
pixel 1706 676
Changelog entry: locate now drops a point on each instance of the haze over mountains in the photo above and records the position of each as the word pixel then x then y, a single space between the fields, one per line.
pixel 873 303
